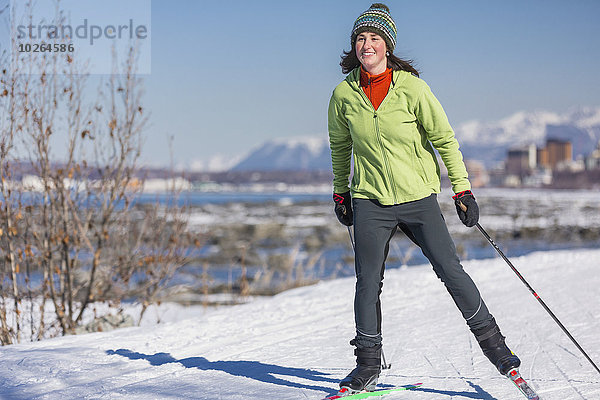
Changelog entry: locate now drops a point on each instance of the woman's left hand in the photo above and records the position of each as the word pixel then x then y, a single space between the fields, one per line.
pixel 467 208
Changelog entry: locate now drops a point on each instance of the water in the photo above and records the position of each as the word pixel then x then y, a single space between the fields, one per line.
pixel 203 198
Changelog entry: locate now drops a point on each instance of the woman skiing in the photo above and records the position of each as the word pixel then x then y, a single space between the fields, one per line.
pixel 386 118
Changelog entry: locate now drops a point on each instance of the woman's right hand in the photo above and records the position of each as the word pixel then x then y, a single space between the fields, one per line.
pixel 343 208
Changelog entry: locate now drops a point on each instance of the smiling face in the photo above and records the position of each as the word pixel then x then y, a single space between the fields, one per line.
pixel 370 49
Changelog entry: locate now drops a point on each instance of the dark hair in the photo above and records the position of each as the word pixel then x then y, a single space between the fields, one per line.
pixel 350 61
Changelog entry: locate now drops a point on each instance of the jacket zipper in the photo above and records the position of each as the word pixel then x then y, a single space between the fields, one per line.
pixel 379 140
pixel 385 158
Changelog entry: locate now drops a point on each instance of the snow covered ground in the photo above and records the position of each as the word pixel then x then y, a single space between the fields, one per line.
pixel 295 345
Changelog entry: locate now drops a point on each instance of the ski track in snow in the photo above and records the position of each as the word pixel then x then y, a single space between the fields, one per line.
pixel 295 345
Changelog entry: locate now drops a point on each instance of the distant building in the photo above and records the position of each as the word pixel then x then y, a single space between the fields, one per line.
pixel 542 157
pixel 532 166
pixel 521 162
pixel 559 152
pixel 592 161
pixel 539 178
pixel 159 185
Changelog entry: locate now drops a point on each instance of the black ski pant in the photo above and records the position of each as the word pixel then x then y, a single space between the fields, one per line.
pixel 423 223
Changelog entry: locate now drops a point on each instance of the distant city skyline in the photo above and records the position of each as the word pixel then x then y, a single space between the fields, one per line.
pixel 224 79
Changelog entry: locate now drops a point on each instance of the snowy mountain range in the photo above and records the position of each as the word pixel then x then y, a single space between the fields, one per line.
pixel 488 142
pixel 484 141
pixel 296 153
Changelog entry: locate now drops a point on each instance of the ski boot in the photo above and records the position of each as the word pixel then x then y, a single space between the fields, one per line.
pixel 368 367
pixel 494 348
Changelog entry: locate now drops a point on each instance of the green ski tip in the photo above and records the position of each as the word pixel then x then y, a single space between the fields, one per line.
pixel 380 392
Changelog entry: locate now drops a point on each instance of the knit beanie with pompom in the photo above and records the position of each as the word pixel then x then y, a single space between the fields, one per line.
pixel 376 19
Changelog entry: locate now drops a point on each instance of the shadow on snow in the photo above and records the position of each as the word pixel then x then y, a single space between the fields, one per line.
pixel 266 373
pixel 249 369
pixel 478 394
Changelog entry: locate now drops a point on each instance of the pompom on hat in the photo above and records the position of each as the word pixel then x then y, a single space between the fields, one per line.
pixel 376 19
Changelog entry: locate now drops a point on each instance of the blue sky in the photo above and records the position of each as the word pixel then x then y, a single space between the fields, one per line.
pixel 88 22
pixel 226 76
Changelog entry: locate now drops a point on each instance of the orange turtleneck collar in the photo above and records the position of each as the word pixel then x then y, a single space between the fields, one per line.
pixel 376 87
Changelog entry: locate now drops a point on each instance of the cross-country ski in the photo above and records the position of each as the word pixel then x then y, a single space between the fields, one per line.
pixel 346 394
pixel 522 385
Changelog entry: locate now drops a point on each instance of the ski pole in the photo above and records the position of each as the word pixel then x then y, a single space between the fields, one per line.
pixel 495 246
pixel 385 365
pixel 351 239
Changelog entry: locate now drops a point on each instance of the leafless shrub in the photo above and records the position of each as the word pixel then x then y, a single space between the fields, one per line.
pixel 71 234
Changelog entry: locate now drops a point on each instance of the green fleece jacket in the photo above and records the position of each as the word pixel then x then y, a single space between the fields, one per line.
pixel 394 160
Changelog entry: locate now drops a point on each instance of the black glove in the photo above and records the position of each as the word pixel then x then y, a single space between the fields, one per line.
pixel 470 217
pixel 343 208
